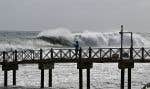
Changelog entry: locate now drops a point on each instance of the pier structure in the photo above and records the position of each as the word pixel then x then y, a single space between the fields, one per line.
pixel 84 60
pixel 83 57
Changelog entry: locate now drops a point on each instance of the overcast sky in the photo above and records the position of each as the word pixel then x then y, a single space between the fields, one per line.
pixel 98 15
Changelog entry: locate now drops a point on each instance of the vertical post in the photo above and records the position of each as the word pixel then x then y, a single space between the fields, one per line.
pixel 42 71
pixel 80 71
pixel 122 78
pixel 129 69
pixel 131 49
pixel 60 50
pixel 5 71
pixel 50 71
pixel 121 52
pixel 110 52
pixel 42 78
pixel 143 53
pixel 129 78
pixel 100 54
pixel 80 79
pixel 90 52
pixel 88 78
pixel 14 77
pixel 14 71
pixel 69 53
pixel 50 77
pixel 131 40
pixel 5 78
pixel 32 53
pixel 51 53
pixel 88 70
pixel 131 58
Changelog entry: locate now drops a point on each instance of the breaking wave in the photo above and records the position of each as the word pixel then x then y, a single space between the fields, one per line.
pixel 62 37
pixel 65 37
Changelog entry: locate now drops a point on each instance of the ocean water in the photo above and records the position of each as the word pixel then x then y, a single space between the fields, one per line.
pixel 65 76
pixel 65 38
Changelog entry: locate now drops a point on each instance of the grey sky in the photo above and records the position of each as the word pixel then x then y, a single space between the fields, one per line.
pixel 98 15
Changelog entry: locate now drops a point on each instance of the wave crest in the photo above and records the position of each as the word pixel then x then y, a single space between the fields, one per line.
pixel 87 38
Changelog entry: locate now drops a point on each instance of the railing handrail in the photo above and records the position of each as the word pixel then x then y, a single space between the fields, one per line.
pixel 70 53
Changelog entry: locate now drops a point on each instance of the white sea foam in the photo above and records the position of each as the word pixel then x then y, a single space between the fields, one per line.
pixel 89 38
pixel 23 44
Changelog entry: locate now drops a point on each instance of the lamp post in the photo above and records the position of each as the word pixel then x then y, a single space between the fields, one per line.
pixel 121 32
pixel 121 57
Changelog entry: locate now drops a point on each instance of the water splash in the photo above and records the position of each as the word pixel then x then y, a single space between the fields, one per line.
pixel 87 38
pixel 61 37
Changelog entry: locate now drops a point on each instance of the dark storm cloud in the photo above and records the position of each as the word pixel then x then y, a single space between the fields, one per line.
pixel 100 15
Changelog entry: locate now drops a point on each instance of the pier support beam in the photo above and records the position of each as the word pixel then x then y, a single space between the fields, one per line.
pixel 50 77
pixel 126 64
pixel 80 79
pixel 42 78
pixel 129 78
pixel 14 77
pixel 84 64
pixel 42 67
pixel 16 67
pixel 122 78
pixel 88 78
pixel 5 78
pixel 7 67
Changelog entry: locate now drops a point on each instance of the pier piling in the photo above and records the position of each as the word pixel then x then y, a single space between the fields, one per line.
pixel 88 69
pixel 5 78
pixel 5 71
pixel 42 70
pixel 14 70
pixel 50 70
pixel 50 77
pixel 14 77
pixel 42 78
pixel 88 78
pixel 122 78
pixel 129 78
pixel 80 79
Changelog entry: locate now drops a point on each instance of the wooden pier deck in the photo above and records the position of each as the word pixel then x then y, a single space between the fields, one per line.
pixel 84 57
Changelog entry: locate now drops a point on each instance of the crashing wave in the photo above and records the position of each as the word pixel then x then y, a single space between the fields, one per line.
pixel 86 38
pixel 56 40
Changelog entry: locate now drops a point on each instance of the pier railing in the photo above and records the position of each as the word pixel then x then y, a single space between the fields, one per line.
pixel 97 54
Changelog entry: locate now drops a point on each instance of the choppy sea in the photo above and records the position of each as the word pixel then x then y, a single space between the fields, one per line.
pixel 65 76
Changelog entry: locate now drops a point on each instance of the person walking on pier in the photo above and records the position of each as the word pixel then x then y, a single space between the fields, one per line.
pixel 76 45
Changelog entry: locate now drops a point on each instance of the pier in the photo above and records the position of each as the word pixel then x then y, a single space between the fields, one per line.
pixel 83 57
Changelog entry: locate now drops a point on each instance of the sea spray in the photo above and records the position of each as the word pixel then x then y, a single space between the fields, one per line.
pixel 88 38
pixel 61 37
